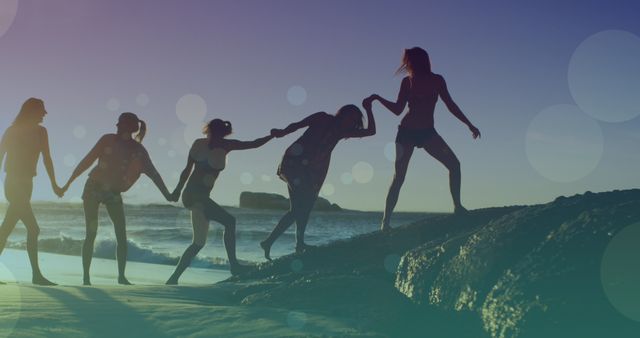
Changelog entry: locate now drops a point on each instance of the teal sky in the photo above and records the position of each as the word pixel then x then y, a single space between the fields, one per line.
pixel 553 88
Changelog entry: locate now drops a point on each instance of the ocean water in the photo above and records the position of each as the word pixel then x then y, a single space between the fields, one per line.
pixel 160 233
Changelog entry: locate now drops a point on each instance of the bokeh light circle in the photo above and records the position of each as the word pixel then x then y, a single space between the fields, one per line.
pixel 296 320
pixel 619 271
pixel 113 104
pixel 246 178
pixel 390 151
pixel 346 178
pixel 362 172
pixel 563 144
pixel 328 189
pixel 142 100
pixel 11 302
pixel 162 141
pixel 191 109
pixel 296 95
pixel 8 11
pixel 79 132
pixel 604 76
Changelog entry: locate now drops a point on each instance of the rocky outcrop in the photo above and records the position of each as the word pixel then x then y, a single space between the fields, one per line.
pixel 259 200
pixel 532 271
pixel 535 272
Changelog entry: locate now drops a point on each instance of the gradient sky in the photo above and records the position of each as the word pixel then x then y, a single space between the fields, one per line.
pixel 506 63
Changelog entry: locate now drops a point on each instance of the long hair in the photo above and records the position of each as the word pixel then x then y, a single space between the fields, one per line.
pixel 133 124
pixel 415 61
pixel 29 111
pixel 351 110
pixel 217 128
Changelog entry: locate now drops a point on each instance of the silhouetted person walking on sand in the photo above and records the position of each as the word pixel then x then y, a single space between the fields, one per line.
pixel 421 89
pixel 207 158
pixel 305 163
pixel 121 160
pixel 22 143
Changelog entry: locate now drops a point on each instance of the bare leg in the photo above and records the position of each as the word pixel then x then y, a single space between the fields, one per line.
pixel 303 206
pixel 200 230
pixel 91 223
pixel 403 156
pixel 284 224
pixel 439 149
pixel 116 213
pixel 29 220
pixel 11 218
pixel 214 212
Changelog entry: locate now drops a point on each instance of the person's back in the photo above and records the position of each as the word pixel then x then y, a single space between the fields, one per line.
pixel 208 162
pixel 23 145
pixel 120 163
pixel 422 99
pixel 317 142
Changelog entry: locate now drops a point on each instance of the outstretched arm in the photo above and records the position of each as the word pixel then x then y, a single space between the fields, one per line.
pixel 297 125
pixel 401 102
pixel 453 107
pixel 87 161
pixel 242 145
pixel 48 163
pixel 371 121
pixel 183 178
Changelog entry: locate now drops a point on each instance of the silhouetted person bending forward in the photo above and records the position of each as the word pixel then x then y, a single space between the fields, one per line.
pixel 305 163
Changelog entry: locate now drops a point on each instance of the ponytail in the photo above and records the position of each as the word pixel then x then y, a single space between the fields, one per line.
pixel 141 132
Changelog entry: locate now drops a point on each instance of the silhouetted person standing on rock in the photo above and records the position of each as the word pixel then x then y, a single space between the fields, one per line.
pixel 421 90
pixel 207 158
pixel 22 144
pixel 121 160
pixel 305 163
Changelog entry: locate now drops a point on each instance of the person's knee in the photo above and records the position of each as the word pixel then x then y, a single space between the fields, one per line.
pixel 398 178
pixel 454 165
pixel 33 231
pixel 230 224
pixel 91 235
pixel 196 247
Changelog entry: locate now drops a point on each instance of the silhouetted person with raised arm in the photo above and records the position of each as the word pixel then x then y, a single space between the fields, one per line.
pixel 207 158
pixel 305 163
pixel 420 90
pixel 22 144
pixel 121 160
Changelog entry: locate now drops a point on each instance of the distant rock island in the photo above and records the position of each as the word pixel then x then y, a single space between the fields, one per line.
pixel 261 200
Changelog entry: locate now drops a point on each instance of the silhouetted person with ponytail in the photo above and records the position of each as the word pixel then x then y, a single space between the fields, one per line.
pixel 305 163
pixel 207 158
pixel 22 144
pixel 421 90
pixel 121 160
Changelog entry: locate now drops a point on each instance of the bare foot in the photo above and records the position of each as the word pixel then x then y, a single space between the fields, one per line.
pixel 267 250
pixel 122 280
pixel 460 211
pixel 86 281
pixel 172 281
pixel 385 228
pixel 303 247
pixel 40 280
pixel 238 269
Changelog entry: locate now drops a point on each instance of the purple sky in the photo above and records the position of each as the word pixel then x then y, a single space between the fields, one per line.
pixel 506 64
